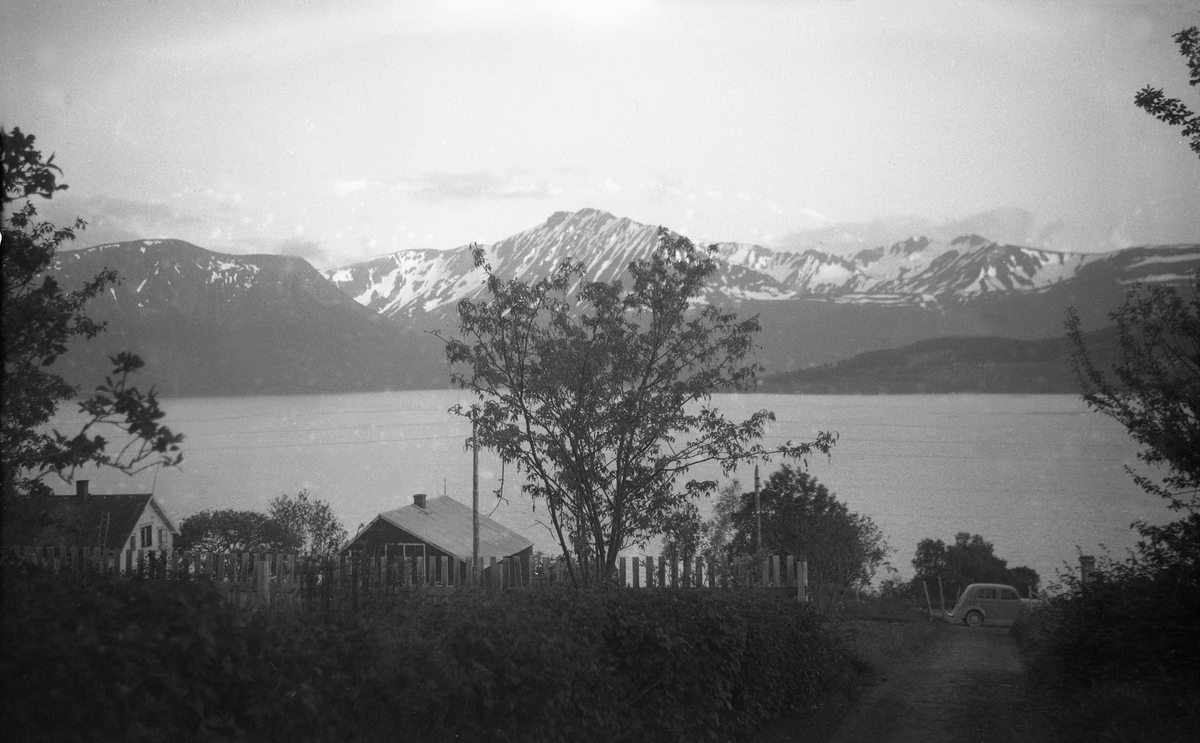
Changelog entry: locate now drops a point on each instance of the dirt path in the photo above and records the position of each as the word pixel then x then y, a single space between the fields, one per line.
pixel 968 686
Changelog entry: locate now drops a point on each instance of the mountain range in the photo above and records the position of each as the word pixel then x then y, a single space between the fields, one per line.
pixel 209 323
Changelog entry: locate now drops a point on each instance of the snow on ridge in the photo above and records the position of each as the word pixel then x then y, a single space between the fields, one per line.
pixel 1165 259
pixel 1156 278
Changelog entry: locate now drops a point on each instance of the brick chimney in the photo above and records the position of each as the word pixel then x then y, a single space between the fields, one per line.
pixel 81 489
pixel 419 501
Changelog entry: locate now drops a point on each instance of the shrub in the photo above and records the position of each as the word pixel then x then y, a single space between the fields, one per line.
pixel 1126 623
pixel 148 660
pixel 132 661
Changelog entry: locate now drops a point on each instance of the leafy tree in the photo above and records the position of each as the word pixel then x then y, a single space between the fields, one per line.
pixel 683 533
pixel 306 526
pixel 801 517
pixel 229 530
pixel 971 559
pixel 1154 390
pixel 719 529
pixel 600 394
pixel 40 319
pixel 1173 111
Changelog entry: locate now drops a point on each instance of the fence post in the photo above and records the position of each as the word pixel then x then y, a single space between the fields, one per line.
pixel 802 579
pixel 262 571
pixel 1087 566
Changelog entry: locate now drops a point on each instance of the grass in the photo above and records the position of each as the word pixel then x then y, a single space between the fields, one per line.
pixel 885 635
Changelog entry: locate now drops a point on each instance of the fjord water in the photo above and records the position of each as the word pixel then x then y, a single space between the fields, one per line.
pixel 1037 475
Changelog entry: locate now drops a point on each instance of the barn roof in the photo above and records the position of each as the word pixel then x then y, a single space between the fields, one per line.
pixel 85 516
pixel 446 524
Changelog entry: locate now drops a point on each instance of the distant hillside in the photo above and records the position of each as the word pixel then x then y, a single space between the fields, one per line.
pixel 213 324
pixel 957 364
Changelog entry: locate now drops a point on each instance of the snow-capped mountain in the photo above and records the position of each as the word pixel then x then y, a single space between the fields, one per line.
pixel 918 271
pixel 214 324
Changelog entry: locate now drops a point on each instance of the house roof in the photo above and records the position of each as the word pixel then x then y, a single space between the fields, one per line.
pixel 87 516
pixel 446 524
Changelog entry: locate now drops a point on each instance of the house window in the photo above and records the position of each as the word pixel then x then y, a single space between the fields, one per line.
pixel 162 537
pixel 132 542
pixel 147 536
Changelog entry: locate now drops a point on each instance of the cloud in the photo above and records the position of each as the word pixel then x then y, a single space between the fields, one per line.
pixel 812 214
pixel 117 220
pixel 479 185
pixel 301 247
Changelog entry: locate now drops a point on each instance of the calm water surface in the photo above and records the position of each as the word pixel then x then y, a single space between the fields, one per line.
pixel 1036 475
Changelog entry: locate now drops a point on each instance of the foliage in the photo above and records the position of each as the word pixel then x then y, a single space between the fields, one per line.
pixel 1156 390
pixel 40 319
pixel 600 394
pixel 126 662
pixel 1173 111
pixel 684 533
pixel 801 517
pixel 718 530
pixel 229 530
pixel 1133 620
pixel 307 526
pixel 969 560
pixel 151 660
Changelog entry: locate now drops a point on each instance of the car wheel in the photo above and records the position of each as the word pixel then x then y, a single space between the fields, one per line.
pixel 975 619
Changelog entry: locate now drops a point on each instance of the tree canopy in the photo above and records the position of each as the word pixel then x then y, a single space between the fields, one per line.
pixel 601 394
pixel 1153 390
pixel 1173 111
pixel 298 524
pixel 970 559
pixel 40 320
pixel 801 517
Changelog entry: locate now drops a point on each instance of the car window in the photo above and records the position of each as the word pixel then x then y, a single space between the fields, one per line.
pixel 986 593
pixel 1008 594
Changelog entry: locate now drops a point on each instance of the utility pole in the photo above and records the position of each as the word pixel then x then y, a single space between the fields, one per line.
pixel 757 514
pixel 474 495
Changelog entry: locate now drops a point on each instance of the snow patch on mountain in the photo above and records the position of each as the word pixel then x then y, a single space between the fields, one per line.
pixel 916 271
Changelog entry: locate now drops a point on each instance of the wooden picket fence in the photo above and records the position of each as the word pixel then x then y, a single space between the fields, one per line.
pixel 358 581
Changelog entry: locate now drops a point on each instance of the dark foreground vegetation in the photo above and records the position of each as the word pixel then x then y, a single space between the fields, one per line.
pixel 1122 650
pixel 149 660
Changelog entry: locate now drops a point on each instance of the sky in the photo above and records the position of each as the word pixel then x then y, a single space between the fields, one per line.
pixel 343 131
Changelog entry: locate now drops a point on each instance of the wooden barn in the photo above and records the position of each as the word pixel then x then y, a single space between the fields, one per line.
pixel 438 527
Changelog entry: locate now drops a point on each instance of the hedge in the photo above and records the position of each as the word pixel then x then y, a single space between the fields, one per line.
pixel 149 661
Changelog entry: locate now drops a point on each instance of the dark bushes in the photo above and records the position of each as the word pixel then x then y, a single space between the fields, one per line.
pixel 148 661
pixel 1137 619
pixel 1124 648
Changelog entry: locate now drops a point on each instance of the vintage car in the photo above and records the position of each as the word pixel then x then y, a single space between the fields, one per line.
pixel 989 603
